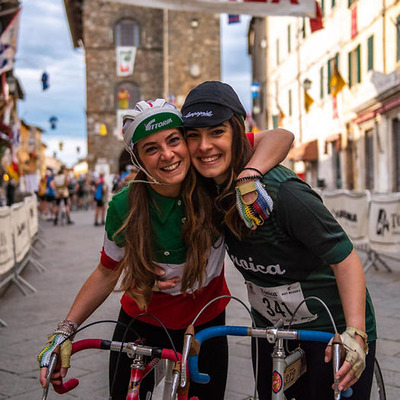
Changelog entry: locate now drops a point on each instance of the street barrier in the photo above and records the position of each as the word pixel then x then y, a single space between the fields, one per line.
pixel 371 222
pixel 19 225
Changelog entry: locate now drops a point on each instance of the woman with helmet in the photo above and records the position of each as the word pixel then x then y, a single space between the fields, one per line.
pixel 289 250
pixel 162 247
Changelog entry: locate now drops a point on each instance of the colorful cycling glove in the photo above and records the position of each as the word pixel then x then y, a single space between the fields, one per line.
pixel 52 343
pixel 253 213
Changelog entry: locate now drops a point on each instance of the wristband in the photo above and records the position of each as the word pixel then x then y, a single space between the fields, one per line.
pixel 253 169
pixel 248 178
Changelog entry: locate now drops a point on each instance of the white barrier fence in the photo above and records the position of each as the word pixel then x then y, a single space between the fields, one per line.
pixel 371 221
pixel 19 228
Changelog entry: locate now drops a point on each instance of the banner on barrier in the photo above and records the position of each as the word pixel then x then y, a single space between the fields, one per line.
pixel 384 223
pixel 32 215
pixel 6 241
pixel 22 241
pixel 351 211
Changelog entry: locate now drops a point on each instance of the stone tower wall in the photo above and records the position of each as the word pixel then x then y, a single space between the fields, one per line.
pixel 174 56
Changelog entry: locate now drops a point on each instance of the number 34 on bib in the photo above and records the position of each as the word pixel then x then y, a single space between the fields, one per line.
pixel 279 303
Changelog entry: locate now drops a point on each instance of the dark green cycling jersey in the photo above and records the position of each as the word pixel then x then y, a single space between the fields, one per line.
pixel 288 258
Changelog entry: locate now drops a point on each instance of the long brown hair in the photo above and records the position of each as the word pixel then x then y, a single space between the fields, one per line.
pixel 225 196
pixel 199 233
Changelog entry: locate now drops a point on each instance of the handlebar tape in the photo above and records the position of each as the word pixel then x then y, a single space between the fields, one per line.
pixel 315 336
pixel 78 346
pixel 209 333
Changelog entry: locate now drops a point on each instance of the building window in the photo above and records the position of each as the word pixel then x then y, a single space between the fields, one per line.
pixel 350 2
pixel 127 33
pixel 355 66
pixel 275 121
pixel 369 159
pixel 333 4
pixel 322 7
pixel 290 103
pixel 398 38
pixel 336 164
pixel 396 155
pixel 321 83
pixel 127 94
pixel 371 53
pixel 277 52
pixel 289 39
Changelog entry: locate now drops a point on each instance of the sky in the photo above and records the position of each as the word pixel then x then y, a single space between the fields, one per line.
pixel 45 45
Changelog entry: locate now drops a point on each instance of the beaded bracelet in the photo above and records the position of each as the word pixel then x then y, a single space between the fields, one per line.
pixel 246 178
pixel 253 169
pixel 67 328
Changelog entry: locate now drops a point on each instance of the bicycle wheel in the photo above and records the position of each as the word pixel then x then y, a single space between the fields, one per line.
pixel 378 387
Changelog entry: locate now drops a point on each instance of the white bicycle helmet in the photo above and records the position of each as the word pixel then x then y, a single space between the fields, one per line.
pixel 149 117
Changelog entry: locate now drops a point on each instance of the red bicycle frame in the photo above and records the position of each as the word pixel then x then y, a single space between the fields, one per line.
pixel 139 368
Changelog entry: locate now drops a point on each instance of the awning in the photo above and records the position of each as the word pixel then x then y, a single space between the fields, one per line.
pixel 307 151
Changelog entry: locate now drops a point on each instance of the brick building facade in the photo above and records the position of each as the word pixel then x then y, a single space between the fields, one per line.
pixel 174 51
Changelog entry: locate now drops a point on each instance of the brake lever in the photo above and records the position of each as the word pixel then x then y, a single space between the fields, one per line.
pixel 52 365
pixel 187 344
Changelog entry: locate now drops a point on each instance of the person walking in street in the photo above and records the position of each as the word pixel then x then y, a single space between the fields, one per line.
pixel 161 245
pixel 287 246
pixel 100 197
pixel 61 181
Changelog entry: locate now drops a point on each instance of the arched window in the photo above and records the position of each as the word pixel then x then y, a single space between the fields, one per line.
pixel 127 94
pixel 127 33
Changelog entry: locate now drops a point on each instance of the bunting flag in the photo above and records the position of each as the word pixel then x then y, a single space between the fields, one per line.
pixel 317 23
pixel 53 122
pixel 13 171
pixel 308 101
pixel 8 44
pixel 45 81
pixel 336 83
pixel 258 8
pixel 281 117
pixel 233 18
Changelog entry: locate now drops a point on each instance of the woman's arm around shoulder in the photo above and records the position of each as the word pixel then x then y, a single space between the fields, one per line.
pixel 271 147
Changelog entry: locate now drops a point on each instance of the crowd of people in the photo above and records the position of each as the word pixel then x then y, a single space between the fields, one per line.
pixel 203 187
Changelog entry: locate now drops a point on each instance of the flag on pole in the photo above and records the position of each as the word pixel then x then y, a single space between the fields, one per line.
pixel 336 83
pixel 8 44
pixel 308 101
pixel 317 23
pixel 281 117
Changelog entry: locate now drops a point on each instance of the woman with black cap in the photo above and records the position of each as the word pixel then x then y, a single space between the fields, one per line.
pixel 161 243
pixel 286 245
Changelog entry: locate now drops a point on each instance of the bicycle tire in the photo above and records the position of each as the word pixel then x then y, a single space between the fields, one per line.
pixel 378 391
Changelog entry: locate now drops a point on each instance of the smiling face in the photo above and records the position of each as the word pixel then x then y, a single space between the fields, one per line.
pixel 165 157
pixel 210 149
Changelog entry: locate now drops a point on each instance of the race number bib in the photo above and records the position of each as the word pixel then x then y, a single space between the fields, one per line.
pixel 279 303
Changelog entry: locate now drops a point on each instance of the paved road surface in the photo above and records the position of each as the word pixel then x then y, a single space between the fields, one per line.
pixel 71 253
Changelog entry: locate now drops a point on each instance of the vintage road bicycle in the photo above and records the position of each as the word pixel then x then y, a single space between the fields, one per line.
pixel 287 366
pixel 144 360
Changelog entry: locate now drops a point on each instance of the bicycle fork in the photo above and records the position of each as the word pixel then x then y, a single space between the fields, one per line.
pixel 286 370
